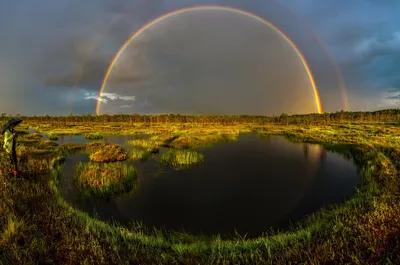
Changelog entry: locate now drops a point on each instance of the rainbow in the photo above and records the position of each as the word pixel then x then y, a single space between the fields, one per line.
pixel 342 85
pixel 209 7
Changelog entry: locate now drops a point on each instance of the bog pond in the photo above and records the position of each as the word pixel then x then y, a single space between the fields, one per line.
pixel 248 186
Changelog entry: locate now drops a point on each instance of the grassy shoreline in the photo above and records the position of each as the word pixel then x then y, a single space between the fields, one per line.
pixel 363 230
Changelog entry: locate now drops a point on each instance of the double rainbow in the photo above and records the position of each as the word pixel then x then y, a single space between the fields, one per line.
pixel 211 7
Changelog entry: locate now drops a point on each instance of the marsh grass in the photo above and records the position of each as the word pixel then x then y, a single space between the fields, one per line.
pixel 36 224
pixel 104 180
pixel 181 159
pixel 109 153
pixel 202 140
pixel 144 143
pixel 53 137
pixel 94 146
pixel 139 154
pixel 187 140
pixel 33 136
pixel 94 136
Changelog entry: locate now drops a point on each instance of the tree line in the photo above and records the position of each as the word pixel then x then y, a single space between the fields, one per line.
pixel 387 116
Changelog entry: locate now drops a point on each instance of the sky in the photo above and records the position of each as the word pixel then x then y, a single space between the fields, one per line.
pixel 54 55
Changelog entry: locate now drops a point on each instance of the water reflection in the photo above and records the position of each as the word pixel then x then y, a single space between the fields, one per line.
pixel 249 185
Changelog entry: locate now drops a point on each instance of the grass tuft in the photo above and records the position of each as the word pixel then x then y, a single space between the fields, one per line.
pixel 181 159
pixel 109 153
pixel 94 136
pixel 104 179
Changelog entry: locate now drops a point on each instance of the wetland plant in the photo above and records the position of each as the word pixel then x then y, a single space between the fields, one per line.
pixel 104 180
pixel 145 143
pixel 140 154
pixel 33 136
pixel 201 140
pixel 94 136
pixel 53 137
pixel 109 153
pixel 181 159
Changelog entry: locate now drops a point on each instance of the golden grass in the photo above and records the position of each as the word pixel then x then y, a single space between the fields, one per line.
pixel 36 224
pixel 109 153
pixel 181 159
pixel 104 179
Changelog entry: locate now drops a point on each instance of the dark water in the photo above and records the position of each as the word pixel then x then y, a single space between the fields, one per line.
pixel 248 185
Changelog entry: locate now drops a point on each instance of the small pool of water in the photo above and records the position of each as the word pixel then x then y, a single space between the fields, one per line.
pixel 248 186
pixel 80 139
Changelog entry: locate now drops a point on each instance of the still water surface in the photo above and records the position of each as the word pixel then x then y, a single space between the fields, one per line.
pixel 249 185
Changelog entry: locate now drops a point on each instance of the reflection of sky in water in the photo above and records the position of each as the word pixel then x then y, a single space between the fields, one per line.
pixel 250 184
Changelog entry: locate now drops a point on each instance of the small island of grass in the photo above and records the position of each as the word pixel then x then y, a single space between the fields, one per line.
pixel 109 153
pixel 181 159
pixel 53 137
pixel 94 136
pixel 104 180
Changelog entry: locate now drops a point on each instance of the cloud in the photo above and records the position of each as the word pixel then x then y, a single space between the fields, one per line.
pixel 105 97
pixel 389 100
pixel 395 96
pixel 366 47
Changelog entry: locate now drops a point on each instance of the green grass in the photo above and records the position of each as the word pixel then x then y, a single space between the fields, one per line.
pixel 139 154
pixel 53 137
pixel 104 180
pixel 37 224
pixel 181 159
pixel 94 136
pixel 186 139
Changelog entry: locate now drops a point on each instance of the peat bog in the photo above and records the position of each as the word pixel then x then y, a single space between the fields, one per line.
pixel 344 215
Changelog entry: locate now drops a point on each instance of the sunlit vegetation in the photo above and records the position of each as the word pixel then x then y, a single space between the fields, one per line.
pixel 53 137
pixel 94 136
pixel 109 153
pixel 181 159
pixel 139 154
pixel 186 139
pixel 33 136
pixel 104 180
pixel 36 224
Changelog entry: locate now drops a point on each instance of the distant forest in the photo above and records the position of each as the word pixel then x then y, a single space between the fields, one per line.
pixel 387 116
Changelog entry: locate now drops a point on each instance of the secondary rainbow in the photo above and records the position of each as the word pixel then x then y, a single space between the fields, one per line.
pixel 210 7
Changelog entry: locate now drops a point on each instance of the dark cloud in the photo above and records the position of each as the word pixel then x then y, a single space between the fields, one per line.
pixel 68 45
